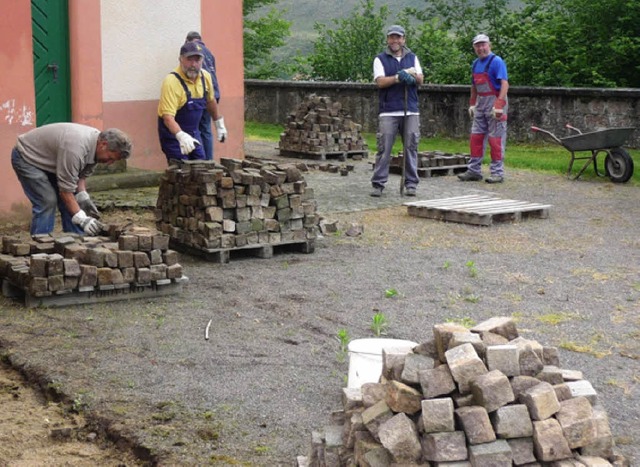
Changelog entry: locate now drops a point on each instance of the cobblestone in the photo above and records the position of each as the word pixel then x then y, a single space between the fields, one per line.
pixel 335 193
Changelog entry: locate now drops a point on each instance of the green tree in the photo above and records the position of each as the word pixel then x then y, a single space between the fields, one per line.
pixel 610 44
pixel 261 36
pixel 442 59
pixel 346 51
pixel 548 42
pixel 444 33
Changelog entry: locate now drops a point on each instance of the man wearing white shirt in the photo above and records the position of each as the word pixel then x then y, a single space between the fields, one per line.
pixel 397 73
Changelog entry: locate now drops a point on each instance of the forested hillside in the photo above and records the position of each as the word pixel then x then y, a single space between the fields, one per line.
pixel 566 43
pixel 303 14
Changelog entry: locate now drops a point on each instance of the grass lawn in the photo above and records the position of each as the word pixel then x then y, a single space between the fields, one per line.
pixel 546 157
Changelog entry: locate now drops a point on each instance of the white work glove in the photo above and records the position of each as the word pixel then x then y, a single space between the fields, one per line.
pixel 498 109
pixel 472 112
pixel 187 142
pixel 90 225
pixel 412 71
pixel 221 129
pixel 85 203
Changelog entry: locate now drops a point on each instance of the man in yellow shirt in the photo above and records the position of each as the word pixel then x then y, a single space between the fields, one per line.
pixel 186 93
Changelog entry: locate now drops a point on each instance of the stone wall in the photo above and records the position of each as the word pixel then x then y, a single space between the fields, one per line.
pixel 444 107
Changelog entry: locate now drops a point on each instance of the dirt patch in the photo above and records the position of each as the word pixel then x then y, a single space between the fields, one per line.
pixel 37 431
pixel 272 370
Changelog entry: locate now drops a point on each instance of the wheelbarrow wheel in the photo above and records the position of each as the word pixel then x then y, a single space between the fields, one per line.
pixel 618 165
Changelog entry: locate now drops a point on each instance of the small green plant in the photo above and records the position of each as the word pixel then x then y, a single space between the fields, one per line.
pixel 163 416
pixel 471 298
pixel 466 321
pixel 389 293
pixel 471 267
pixel 446 265
pixel 80 403
pixel 556 318
pixel 379 324
pixel 343 338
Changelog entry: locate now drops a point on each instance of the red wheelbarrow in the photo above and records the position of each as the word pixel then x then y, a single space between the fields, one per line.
pixel 618 164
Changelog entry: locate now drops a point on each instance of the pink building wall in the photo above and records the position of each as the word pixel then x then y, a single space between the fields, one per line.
pixel 221 23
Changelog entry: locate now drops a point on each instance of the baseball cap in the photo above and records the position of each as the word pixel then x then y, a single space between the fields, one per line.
pixel 191 48
pixel 481 38
pixel 395 29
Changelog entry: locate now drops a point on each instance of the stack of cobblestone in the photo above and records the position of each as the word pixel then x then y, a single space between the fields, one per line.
pixel 479 397
pixel 236 203
pixel 441 159
pixel 54 265
pixel 320 125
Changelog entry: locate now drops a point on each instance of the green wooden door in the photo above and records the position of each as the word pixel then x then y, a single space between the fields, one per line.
pixel 50 24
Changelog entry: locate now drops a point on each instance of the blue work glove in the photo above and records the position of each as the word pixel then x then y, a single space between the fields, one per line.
pixel 406 78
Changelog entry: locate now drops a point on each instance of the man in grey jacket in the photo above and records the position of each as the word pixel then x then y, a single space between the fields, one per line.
pixel 52 163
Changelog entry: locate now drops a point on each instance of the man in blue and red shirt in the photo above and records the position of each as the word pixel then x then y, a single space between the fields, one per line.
pixel 488 107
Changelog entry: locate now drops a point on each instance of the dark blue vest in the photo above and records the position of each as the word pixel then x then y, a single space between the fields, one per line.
pixel 391 99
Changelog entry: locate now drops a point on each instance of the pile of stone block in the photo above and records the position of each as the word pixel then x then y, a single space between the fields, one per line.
pixel 432 163
pixel 237 203
pixel 441 159
pixel 321 126
pixel 479 397
pixel 125 258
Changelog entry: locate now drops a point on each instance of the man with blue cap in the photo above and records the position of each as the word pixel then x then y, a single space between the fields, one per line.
pixel 186 93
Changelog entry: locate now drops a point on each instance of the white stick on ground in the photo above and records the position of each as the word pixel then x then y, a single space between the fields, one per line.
pixel 206 330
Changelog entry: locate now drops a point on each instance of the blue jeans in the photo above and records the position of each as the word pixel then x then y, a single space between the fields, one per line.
pixel 42 190
pixel 206 135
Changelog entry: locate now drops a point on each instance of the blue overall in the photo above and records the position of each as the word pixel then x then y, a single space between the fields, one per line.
pixel 188 117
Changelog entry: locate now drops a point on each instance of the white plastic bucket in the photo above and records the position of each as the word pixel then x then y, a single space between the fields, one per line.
pixel 365 358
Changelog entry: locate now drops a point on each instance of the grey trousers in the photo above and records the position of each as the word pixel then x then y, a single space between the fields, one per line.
pixel 388 129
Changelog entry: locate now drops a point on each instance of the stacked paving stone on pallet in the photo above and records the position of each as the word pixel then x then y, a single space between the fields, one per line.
pixel 441 159
pixel 479 397
pixel 50 265
pixel 236 203
pixel 320 125
pixel 433 162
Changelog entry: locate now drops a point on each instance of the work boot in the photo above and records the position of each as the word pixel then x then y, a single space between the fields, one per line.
pixel 410 191
pixel 376 192
pixel 495 179
pixel 470 176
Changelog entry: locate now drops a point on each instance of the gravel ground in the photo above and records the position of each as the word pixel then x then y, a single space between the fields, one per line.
pixel 271 372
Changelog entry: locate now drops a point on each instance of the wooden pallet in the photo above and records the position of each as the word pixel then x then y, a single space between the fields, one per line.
pixel 98 294
pixel 440 165
pixel 477 209
pixel 427 172
pixel 324 155
pixel 260 250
